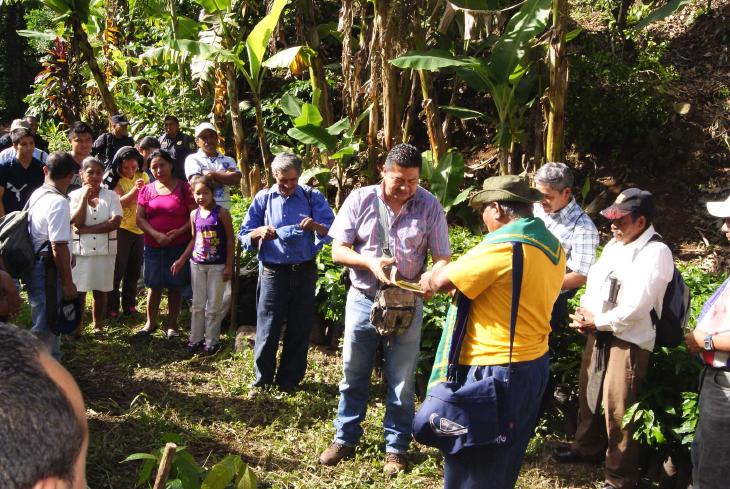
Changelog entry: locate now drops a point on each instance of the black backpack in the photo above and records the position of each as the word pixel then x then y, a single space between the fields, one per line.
pixel 670 327
pixel 16 245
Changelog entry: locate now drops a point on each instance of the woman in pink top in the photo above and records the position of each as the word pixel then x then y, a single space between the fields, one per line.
pixel 163 210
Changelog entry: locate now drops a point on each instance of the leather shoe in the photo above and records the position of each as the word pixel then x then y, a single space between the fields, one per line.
pixel 395 463
pixel 334 453
pixel 565 455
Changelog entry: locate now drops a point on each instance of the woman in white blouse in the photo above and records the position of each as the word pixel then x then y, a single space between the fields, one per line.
pixel 96 213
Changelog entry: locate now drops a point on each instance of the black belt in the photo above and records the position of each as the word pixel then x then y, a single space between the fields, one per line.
pixel 717 369
pixel 293 267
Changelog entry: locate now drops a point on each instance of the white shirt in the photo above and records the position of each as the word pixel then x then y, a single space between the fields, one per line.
pixel 49 217
pixel 643 270
pixel 109 206
pixel 197 163
pixel 9 153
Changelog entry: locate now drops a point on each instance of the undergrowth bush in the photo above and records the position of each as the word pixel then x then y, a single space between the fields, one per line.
pixel 617 99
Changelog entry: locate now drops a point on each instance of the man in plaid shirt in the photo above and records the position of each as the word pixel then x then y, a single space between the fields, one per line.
pixel 573 228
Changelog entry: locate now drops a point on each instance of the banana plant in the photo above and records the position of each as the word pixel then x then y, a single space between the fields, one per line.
pixel 77 15
pixel 445 177
pixel 337 142
pixel 504 74
pixel 222 46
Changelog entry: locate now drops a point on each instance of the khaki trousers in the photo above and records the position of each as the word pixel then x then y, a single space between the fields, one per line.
pixel 626 368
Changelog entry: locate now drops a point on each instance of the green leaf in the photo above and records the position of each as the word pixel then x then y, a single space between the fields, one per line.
pixel 258 40
pixel 447 178
pixel 316 135
pixel 462 196
pixel 461 112
pixel 432 60
pixel 316 172
pixel 427 165
pixel 247 480
pixel 665 10
pixel 309 116
pixel 527 23
pixel 339 127
pixel 348 150
pixel 213 6
pixel 476 4
pixel 283 58
pixel 222 473
pixel 187 28
pixel 365 113
pixel 573 34
pixel 42 36
pixel 174 484
pixel 290 105
pixel 140 456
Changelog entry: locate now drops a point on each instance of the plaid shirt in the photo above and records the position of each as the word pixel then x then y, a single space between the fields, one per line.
pixel 576 233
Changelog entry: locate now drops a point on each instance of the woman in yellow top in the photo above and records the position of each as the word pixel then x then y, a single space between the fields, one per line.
pixel 128 266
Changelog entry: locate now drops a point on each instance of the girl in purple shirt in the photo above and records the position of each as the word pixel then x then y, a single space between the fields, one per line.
pixel 211 265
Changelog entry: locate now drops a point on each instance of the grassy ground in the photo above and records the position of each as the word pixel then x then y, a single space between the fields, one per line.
pixel 139 390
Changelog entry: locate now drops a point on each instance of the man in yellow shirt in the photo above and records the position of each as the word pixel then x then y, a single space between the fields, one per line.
pixel 484 276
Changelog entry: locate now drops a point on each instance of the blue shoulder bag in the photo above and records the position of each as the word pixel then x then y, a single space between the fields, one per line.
pixel 455 416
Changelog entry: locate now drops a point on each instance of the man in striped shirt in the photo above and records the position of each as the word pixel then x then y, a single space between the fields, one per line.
pixel 416 224
pixel 711 339
pixel 573 228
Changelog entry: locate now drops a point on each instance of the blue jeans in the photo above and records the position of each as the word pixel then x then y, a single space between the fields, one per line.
pixel 358 355
pixel 497 466
pixel 35 284
pixel 285 296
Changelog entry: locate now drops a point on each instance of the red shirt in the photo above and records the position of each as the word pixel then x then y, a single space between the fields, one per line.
pixel 166 212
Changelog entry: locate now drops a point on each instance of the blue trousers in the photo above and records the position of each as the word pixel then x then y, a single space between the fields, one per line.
pixel 358 357
pixel 497 466
pixel 35 284
pixel 285 297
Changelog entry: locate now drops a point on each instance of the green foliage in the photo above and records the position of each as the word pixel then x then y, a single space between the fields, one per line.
pixel 446 178
pixel 330 291
pixel 660 13
pixel 53 133
pixel 616 101
pixel 185 473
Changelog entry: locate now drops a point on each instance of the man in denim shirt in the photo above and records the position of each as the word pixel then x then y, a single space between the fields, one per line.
pixel 416 224
pixel 288 225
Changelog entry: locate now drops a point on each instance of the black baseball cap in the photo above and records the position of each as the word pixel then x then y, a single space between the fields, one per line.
pixel 119 119
pixel 628 201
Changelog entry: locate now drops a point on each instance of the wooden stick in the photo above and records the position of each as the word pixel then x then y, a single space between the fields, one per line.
pixel 163 472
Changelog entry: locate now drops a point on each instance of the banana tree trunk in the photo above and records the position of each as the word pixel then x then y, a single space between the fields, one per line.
pixel 239 135
pixel 504 160
pixel 557 93
pixel 260 132
pixel 83 42
pixel 433 122
pixel 316 70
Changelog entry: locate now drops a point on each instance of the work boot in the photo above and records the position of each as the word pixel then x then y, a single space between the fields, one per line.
pixel 395 463
pixel 334 453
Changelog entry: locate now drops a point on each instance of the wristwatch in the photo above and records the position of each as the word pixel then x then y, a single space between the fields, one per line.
pixel 708 343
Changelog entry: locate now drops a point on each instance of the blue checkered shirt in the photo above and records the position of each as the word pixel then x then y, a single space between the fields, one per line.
pixel 576 233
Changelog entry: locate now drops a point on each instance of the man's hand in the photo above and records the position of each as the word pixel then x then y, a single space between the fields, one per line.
pixel 583 320
pixel 308 224
pixel 695 340
pixel 69 291
pixel 426 284
pixel 376 266
pixel 264 232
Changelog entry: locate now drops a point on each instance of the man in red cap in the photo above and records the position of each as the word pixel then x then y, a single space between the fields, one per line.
pixel 624 285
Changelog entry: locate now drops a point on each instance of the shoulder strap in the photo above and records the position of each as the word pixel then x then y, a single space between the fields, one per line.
pixel 460 327
pixel 382 225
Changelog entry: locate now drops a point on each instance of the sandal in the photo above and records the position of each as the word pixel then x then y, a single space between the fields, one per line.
pixel 144 333
pixel 172 333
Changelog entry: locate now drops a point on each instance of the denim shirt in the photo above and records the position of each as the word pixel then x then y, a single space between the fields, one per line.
pixel 292 244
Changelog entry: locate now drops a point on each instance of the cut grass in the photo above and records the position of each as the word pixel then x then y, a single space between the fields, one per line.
pixel 136 391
